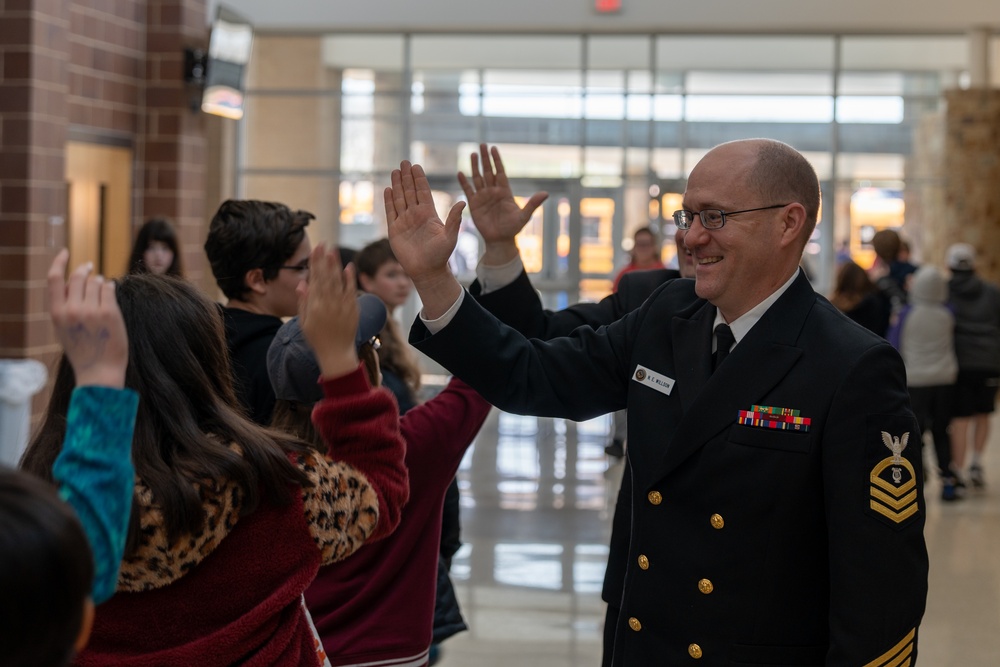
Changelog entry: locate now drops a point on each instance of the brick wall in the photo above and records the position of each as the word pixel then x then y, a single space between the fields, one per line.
pixel 99 71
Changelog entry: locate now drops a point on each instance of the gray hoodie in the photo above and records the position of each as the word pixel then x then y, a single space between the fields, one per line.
pixel 926 339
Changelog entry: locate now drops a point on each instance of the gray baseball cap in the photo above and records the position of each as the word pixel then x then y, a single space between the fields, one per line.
pixel 291 364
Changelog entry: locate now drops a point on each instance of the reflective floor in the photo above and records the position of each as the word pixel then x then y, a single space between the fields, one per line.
pixel 538 496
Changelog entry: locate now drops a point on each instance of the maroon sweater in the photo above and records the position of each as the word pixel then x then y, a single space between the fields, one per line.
pixel 234 599
pixel 378 606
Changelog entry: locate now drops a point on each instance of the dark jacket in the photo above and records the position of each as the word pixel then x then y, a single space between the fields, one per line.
pixel 977 321
pixel 248 336
pixel 739 544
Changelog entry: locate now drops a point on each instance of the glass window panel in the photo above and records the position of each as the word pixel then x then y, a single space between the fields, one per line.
pixel 668 107
pixel 603 163
pixel 496 51
pixel 445 92
pixel 604 106
pixel 620 52
pixel 760 83
pixel 605 81
pixel 357 202
pixel 752 108
pixel 822 162
pixel 640 81
pixel 869 109
pixel 537 94
pixel 884 52
pixel 534 161
pixel 638 107
pixel 891 83
pixel 870 83
pixel 736 52
pixel 669 82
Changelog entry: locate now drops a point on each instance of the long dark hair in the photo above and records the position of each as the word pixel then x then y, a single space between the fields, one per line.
pixel 295 418
pixel 395 354
pixel 188 413
pixel 851 286
pixel 46 575
pixel 155 229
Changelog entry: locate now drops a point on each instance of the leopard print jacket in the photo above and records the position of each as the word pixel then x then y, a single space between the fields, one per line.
pixel 341 510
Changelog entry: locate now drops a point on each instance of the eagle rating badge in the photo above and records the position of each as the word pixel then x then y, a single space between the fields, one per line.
pixel 893 480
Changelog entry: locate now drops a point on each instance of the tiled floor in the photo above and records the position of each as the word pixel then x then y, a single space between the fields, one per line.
pixel 538 496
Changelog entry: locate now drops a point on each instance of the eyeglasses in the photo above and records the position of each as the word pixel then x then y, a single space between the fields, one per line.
pixel 712 218
pixel 300 267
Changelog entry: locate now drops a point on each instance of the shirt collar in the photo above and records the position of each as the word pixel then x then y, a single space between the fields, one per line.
pixel 741 325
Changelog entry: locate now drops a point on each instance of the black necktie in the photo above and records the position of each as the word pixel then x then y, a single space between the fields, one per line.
pixel 724 340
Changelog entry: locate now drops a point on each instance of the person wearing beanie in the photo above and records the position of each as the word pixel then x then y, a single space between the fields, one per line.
pixel 378 607
pixel 976 303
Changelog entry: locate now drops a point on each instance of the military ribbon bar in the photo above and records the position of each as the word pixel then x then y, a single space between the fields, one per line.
pixel 781 419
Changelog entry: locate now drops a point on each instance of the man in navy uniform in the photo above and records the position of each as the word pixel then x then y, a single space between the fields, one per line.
pixel 775 512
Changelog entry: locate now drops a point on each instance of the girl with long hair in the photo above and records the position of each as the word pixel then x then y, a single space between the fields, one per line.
pixel 156 249
pixel 230 521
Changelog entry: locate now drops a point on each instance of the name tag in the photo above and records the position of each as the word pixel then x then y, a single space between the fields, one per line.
pixel 653 380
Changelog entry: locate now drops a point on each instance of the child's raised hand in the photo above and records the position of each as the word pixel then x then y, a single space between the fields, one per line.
pixel 88 323
pixel 328 312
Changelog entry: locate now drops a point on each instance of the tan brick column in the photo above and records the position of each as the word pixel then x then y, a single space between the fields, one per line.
pixel 971 174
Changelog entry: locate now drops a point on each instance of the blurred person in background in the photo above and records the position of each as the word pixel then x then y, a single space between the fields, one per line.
pixel 977 344
pixel 156 249
pixel 924 334
pixel 644 255
pixel 855 295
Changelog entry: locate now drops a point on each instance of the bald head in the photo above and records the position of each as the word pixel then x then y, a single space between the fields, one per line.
pixel 780 174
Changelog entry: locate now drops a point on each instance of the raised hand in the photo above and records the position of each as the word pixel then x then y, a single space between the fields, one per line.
pixel 491 203
pixel 421 242
pixel 88 323
pixel 328 312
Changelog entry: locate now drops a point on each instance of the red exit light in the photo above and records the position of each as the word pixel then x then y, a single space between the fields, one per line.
pixel 607 6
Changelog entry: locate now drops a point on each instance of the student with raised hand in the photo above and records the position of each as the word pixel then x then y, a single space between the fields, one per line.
pixel 60 548
pixel 231 521
pixel 377 607
pixel 772 439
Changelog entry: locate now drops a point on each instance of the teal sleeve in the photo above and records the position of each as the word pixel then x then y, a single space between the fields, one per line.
pixel 96 477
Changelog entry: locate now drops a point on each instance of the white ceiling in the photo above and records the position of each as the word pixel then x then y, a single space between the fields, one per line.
pixel 713 16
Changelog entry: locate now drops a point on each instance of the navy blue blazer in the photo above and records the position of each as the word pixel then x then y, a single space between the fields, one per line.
pixel 738 544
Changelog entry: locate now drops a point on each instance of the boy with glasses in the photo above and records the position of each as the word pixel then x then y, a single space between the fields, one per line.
pixel 259 252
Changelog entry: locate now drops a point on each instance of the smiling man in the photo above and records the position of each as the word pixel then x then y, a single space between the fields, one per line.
pixel 775 512
pixel 259 253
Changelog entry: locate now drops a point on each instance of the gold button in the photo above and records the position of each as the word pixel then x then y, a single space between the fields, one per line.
pixel 634 624
pixel 705 586
pixel 694 651
pixel 655 497
pixel 643 563
pixel 717 521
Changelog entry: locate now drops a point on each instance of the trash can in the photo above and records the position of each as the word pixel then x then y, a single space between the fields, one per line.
pixel 20 380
